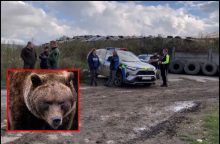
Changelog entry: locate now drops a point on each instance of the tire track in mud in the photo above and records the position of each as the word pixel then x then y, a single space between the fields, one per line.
pixel 169 125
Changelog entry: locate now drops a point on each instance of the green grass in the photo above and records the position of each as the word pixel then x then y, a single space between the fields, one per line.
pixel 209 130
pixel 84 77
pixel 211 125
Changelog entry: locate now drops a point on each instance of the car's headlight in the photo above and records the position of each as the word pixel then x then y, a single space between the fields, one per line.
pixel 151 68
pixel 131 68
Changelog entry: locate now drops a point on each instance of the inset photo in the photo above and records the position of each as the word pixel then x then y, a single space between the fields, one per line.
pixel 42 100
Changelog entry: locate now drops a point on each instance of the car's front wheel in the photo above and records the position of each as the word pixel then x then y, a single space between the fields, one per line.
pixel 118 80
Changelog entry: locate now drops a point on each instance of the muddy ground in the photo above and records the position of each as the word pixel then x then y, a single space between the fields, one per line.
pixel 130 114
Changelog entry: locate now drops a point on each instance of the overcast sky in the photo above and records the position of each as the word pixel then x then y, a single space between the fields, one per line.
pixel 45 21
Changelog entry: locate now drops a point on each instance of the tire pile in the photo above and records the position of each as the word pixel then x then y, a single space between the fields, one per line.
pixel 193 67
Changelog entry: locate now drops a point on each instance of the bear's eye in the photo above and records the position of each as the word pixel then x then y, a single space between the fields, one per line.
pixel 63 105
pixel 44 106
pixel 48 103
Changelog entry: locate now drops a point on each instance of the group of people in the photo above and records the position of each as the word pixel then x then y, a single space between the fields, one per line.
pixel 160 62
pixel 93 61
pixel 49 57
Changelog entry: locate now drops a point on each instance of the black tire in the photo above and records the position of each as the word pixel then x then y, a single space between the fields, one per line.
pixel 176 67
pixel 209 68
pixel 118 80
pixel 192 68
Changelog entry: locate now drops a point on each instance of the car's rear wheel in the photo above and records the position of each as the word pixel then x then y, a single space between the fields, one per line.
pixel 118 80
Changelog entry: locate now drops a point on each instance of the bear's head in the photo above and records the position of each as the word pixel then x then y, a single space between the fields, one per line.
pixel 51 96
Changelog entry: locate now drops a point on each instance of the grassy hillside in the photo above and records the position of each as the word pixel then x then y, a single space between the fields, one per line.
pixel 73 53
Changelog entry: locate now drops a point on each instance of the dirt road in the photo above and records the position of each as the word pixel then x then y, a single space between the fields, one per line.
pixel 131 114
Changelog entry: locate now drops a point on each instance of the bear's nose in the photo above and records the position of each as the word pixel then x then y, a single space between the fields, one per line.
pixel 56 120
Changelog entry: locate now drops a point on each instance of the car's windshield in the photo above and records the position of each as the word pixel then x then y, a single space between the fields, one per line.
pixel 127 56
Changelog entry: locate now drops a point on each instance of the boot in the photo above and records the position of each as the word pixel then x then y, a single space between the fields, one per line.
pixel 163 85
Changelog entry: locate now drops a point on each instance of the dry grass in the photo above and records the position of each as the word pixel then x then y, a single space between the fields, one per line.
pixel 73 53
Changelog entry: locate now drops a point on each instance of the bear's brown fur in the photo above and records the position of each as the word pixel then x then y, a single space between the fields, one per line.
pixel 43 100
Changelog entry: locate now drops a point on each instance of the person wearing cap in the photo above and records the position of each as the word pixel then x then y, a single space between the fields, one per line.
pixel 53 57
pixel 29 56
pixel 93 61
pixel 114 63
pixel 164 62
pixel 43 57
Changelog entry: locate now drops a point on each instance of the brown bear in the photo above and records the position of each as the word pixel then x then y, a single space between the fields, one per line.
pixel 42 101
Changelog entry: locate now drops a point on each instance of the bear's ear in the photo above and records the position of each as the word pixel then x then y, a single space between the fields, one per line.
pixel 36 80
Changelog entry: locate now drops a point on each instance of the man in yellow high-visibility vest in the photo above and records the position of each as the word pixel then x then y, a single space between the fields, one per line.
pixel 165 60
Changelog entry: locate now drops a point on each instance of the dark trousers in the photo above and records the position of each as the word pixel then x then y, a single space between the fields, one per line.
pixel 93 74
pixel 43 66
pixel 111 78
pixel 28 66
pixel 164 71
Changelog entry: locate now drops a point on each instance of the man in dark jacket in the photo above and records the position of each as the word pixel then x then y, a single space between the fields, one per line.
pixel 114 62
pixel 154 60
pixel 43 57
pixel 29 56
pixel 53 57
pixel 164 63
pixel 93 61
